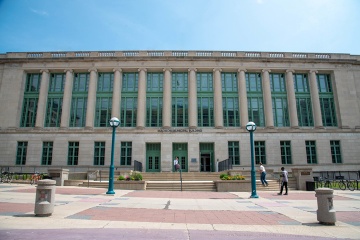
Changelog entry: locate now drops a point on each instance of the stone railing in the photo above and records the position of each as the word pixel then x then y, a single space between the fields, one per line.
pixel 176 54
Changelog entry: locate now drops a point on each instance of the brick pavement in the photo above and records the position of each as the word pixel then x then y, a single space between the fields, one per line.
pixel 175 215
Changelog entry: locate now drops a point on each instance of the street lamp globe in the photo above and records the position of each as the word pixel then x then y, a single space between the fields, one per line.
pixel 114 122
pixel 251 126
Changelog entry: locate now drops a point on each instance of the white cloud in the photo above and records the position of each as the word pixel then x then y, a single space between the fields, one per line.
pixel 39 12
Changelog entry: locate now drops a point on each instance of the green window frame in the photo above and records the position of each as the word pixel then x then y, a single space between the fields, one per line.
pixel 129 96
pixel 104 99
pixel 30 102
pixel 154 99
pixel 79 100
pixel 279 100
pixel 285 149
pixel 205 99
pixel 126 154
pixel 230 101
pixel 21 153
pixel 55 100
pixel 327 104
pixel 260 152
pixel 255 98
pixel 29 110
pixel 99 153
pixel 335 151
pixel 47 153
pixel 180 101
pixel 234 152
pixel 311 152
pixel 73 153
pixel 303 100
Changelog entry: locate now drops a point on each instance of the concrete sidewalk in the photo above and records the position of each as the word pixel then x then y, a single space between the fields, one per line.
pixel 88 213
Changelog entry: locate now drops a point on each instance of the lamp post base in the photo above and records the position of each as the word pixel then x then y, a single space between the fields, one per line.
pixel 110 192
pixel 254 196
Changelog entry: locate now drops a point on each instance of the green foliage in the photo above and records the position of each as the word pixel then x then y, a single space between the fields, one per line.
pixel 133 175
pixel 224 176
pixel 121 178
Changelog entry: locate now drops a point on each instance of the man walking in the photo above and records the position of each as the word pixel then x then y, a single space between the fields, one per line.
pixel 263 175
pixel 285 179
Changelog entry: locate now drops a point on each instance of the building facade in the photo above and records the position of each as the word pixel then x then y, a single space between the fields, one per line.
pixel 56 106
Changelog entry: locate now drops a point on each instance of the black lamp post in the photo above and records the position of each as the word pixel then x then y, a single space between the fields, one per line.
pixel 114 123
pixel 251 127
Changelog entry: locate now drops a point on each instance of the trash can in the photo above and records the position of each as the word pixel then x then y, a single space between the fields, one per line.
pixel 326 212
pixel 45 198
pixel 310 186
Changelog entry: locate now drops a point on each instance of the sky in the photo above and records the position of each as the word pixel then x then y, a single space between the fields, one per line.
pixel 312 26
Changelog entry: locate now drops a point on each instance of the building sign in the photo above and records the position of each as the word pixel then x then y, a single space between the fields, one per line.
pixel 180 130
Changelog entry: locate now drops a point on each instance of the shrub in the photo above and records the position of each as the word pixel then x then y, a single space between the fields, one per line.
pixel 224 176
pixel 121 178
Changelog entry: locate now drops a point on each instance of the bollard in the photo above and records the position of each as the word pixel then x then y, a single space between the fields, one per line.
pixel 45 198
pixel 326 211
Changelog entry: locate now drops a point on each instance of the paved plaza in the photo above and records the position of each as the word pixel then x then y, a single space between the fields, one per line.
pixel 89 213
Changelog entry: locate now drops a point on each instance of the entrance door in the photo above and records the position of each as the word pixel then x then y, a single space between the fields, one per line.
pixel 180 150
pixel 207 157
pixel 153 157
pixel 205 162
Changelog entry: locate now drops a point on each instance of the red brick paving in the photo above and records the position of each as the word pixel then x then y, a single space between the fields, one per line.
pixel 6 207
pixel 185 216
pixel 177 194
pixel 348 217
pixel 66 191
pixel 295 196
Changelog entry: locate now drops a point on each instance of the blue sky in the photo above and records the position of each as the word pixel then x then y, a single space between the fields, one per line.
pixel 322 26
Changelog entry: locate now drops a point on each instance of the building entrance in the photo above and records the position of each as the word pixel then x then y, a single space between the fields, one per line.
pixel 180 150
pixel 153 157
pixel 205 162
pixel 207 157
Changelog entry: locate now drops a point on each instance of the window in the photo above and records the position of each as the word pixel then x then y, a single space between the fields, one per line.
pixel 47 152
pixel 126 153
pixel 303 100
pixel 21 153
pixel 260 152
pixel 205 99
pixel 335 151
pixel 128 111
pixel 255 98
pixel 73 153
pixel 311 152
pixel 230 100
pixel 285 148
pixel 79 100
pixel 279 100
pixel 327 104
pixel 99 153
pixel 55 100
pixel 180 100
pixel 31 96
pixel 154 102
pixel 104 99
pixel 234 152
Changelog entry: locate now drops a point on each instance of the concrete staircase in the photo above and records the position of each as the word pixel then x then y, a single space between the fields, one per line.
pixel 191 181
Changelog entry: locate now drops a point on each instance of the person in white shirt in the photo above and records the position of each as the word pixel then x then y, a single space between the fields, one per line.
pixel 285 179
pixel 263 175
pixel 176 164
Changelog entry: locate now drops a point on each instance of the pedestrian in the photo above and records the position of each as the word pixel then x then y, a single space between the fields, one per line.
pixel 285 179
pixel 263 175
pixel 176 164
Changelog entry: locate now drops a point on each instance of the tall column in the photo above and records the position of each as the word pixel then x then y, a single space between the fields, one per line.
pixel 91 103
pixel 115 111
pixel 167 99
pixel 294 122
pixel 314 90
pixel 269 119
pixel 244 114
pixel 218 108
pixel 41 108
pixel 192 98
pixel 66 106
pixel 140 121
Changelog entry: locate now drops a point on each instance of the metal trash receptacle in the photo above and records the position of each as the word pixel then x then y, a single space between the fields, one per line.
pixel 310 186
pixel 45 198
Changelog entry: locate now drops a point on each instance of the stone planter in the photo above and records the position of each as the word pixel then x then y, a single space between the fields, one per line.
pixel 130 185
pixel 233 185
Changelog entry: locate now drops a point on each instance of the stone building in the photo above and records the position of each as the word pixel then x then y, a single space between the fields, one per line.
pixel 56 106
